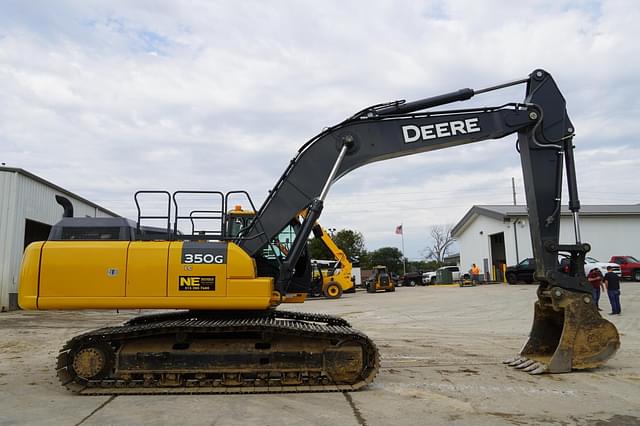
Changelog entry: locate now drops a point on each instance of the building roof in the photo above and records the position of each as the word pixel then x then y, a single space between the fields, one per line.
pixel 505 212
pixel 56 187
pixel 455 257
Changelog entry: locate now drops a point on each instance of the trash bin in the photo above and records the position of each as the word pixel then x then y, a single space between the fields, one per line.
pixel 444 276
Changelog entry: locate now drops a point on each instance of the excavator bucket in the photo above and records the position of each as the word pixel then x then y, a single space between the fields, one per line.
pixel 567 333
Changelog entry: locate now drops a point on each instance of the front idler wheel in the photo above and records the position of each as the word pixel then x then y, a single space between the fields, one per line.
pixel 91 362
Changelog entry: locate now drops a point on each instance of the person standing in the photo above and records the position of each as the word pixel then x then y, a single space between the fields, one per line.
pixel 595 278
pixel 475 273
pixel 612 284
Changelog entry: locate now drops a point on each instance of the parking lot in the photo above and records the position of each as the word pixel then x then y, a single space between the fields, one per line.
pixel 441 350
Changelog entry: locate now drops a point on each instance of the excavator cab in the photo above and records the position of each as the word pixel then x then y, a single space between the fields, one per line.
pixel 380 281
pixel 237 221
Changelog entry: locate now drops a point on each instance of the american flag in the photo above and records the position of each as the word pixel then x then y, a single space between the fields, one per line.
pixel 399 229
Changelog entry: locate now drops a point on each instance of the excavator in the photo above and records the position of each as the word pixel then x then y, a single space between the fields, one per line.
pixel 223 333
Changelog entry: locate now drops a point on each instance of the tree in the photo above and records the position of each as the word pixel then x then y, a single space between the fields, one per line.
pixel 349 241
pixel 422 265
pixel 317 249
pixel 441 242
pixel 390 257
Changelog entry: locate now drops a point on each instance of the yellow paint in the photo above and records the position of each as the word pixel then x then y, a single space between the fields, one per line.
pixel 147 269
pixel 295 298
pixel 342 277
pixel 83 268
pixel 135 275
pixel 250 287
pixel 239 264
pixel 28 290
pixel 207 303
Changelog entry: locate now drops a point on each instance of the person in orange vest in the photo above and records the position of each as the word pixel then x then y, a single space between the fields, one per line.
pixel 475 273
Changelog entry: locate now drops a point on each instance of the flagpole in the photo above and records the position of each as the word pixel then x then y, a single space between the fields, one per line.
pixel 404 257
pixel 400 230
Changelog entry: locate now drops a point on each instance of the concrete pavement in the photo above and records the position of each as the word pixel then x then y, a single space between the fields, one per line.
pixel 441 351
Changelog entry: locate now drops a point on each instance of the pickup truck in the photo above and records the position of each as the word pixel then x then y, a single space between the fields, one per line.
pixel 410 279
pixel 629 265
pixel 523 271
pixel 429 278
pixel 590 263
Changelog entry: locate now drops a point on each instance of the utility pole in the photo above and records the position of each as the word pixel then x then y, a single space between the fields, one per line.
pixel 515 221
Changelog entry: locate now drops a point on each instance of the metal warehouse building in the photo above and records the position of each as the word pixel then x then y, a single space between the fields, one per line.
pixel 28 209
pixel 494 235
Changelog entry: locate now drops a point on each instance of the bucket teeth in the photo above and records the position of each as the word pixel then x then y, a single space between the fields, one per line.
pixel 532 367
pixel 529 365
pixel 510 360
pixel 525 364
pixel 517 362
pixel 540 370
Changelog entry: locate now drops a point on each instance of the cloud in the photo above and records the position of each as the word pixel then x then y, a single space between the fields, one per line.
pixel 108 98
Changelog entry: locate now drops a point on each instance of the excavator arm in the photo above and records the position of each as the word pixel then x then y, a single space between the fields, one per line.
pixel 567 331
pixel 398 129
pixel 364 139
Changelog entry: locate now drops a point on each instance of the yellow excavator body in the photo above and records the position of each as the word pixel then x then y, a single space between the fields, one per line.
pixel 141 275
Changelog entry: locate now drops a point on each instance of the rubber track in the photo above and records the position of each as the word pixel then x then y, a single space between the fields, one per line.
pixel 273 314
pixel 282 322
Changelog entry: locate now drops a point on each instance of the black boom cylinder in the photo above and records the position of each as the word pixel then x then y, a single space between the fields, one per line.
pixel 458 95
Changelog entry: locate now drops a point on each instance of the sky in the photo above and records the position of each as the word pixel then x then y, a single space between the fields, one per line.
pixel 107 98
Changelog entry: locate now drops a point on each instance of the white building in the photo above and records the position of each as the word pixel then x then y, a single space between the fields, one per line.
pixel 494 235
pixel 28 209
